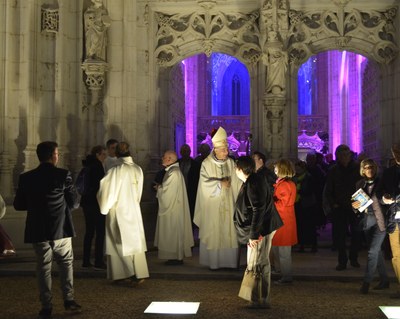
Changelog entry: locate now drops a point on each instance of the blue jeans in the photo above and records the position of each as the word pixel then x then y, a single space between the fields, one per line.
pixel 375 259
pixel 61 251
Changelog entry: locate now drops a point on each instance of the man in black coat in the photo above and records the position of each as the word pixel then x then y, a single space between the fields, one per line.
pixel 48 195
pixel 191 172
pixel 339 187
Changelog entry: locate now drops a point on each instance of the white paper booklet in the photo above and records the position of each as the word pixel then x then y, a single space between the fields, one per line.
pixel 363 198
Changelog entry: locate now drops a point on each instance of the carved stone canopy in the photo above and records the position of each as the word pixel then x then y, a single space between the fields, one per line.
pixel 95 73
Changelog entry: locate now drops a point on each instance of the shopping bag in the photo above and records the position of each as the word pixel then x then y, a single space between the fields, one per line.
pixel 251 278
pixel 249 285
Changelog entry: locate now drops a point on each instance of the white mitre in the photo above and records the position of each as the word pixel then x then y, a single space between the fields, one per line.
pixel 219 139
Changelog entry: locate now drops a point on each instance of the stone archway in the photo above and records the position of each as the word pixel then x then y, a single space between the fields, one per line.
pixel 367 32
pixel 273 40
pixel 206 29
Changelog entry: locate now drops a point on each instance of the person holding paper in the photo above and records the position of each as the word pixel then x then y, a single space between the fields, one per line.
pixel 373 223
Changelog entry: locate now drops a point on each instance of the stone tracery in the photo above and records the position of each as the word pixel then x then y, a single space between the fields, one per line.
pixel 238 32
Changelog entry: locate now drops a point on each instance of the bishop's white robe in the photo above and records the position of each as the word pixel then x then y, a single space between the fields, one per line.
pixel 174 237
pixel 119 198
pixel 214 213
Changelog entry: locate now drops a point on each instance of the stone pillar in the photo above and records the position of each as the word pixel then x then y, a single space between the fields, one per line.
pixel 7 69
pixel 95 29
pixel 274 27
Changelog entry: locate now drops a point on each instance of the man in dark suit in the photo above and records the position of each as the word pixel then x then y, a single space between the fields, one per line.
pixel 48 195
pixel 191 173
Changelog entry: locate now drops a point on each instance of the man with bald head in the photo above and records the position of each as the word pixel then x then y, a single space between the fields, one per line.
pixel 174 237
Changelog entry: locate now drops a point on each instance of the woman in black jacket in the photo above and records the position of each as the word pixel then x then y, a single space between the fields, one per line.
pixel 373 222
pixel 256 220
pixel 94 220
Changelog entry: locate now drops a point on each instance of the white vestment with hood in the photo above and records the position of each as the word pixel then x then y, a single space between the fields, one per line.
pixel 174 237
pixel 214 213
pixel 119 198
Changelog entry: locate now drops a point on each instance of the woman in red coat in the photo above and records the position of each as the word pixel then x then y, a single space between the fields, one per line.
pixel 286 236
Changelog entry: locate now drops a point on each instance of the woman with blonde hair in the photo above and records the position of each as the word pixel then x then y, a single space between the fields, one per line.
pixel 373 224
pixel 286 236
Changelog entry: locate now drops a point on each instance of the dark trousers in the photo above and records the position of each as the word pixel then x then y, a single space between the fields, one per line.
pixel 95 224
pixel 343 221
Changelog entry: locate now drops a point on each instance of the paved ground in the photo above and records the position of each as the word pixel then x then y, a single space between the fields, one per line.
pixel 319 291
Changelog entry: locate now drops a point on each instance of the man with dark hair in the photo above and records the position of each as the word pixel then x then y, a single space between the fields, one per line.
pixel 48 194
pixel 260 160
pixel 340 186
pixel 111 160
pixel 191 173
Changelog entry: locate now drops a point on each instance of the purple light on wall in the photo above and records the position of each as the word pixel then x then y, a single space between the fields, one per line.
pixel 345 112
pixel 190 66
pixel 335 111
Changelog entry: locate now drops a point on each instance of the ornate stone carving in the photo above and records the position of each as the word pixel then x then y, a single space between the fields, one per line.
pixel 276 61
pixel 146 15
pixel 97 21
pixel 50 19
pixel 236 34
pixel 369 32
pixel 207 4
pixel 95 66
pixel 274 114
pixel 95 73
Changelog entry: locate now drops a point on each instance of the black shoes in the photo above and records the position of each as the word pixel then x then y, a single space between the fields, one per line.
pixel 364 288
pixel 45 313
pixel 100 267
pixel 396 295
pixel 382 285
pixel 340 267
pixel 72 306
pixel 283 282
pixel 353 263
pixel 256 305
pixel 174 262
pixel 69 305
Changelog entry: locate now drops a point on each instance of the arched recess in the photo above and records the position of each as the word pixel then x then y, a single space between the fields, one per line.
pixel 202 30
pixel 367 32
pixel 338 99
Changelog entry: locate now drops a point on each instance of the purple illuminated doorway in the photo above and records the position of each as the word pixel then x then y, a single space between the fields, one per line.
pixel 217 93
pixel 330 99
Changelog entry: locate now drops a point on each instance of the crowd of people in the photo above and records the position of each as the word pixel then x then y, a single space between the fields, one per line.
pixel 227 202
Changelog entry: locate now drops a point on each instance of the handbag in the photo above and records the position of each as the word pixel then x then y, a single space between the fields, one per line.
pixel 249 289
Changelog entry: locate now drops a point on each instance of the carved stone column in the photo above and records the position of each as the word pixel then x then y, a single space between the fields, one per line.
pixel 274 26
pixel 95 72
pixel 97 21
pixel 273 133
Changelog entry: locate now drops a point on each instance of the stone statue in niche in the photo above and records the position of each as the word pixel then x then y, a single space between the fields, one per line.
pixel 276 61
pixel 97 21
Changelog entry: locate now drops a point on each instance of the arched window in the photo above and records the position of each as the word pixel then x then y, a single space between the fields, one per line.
pixel 235 95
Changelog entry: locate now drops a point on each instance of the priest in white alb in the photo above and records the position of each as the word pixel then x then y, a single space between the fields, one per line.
pixel 174 237
pixel 119 198
pixel 216 196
